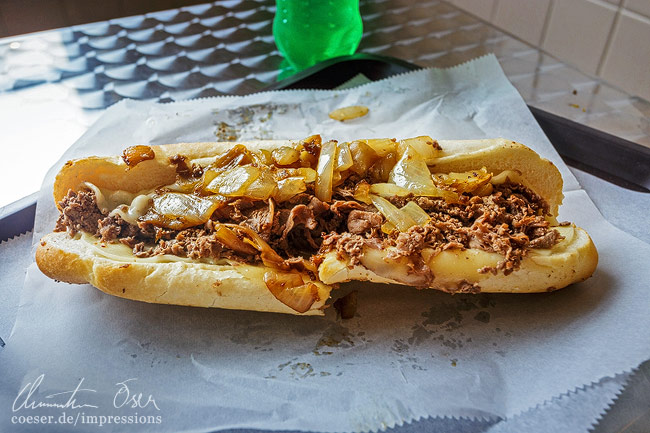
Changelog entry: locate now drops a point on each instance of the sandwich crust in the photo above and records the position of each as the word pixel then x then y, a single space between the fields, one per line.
pixel 238 287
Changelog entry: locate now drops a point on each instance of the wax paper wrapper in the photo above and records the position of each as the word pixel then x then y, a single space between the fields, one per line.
pixel 406 354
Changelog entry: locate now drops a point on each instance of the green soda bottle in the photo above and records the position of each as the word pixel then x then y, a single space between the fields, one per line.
pixel 308 31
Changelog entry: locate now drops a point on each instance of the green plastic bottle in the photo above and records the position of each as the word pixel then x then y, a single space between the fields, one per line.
pixel 308 31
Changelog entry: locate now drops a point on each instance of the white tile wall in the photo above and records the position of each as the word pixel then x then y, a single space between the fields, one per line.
pixel 639 6
pixel 578 31
pixel 609 39
pixel 527 23
pixel 627 62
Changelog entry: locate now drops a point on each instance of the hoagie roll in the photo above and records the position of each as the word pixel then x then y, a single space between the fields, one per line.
pixel 276 225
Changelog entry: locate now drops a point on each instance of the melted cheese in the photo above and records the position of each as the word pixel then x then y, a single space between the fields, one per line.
pixel 122 253
pixel 130 206
pixel 138 207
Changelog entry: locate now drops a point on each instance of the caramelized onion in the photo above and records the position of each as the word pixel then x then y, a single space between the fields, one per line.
pixel 363 156
pixel 381 146
pixel 389 190
pixel 285 155
pixel 362 192
pixel 232 241
pixel 343 157
pixel 289 288
pixel 178 211
pixel 469 181
pixel 289 187
pixel 393 214
pixel 325 170
pixel 234 181
pixel 416 212
pixel 426 146
pixel 309 174
pixel 184 185
pixel 412 173
pixel 263 157
pixel 263 187
pixel 267 254
pixel 347 113
pixel 312 144
pixel 238 155
pixel 134 155
pixel 380 170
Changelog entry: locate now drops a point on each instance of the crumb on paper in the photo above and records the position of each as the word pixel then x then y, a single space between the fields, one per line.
pixel 251 122
pixel 225 132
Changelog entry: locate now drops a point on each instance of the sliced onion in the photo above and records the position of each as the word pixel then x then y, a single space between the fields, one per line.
pixel 411 171
pixel 308 174
pixel 289 187
pixel 285 155
pixel 343 157
pixel 380 170
pixel 134 155
pixel 484 190
pixel 347 113
pixel 425 146
pixel 469 181
pixel 363 156
pixel 184 185
pixel 389 190
pixel 178 211
pixel 234 181
pixel 263 187
pixel 388 227
pixel 326 161
pixel 208 176
pixel 267 254
pixel 289 288
pixel 307 159
pixel 393 214
pixel 232 241
pixel 514 176
pixel 381 146
pixel 416 212
pixel 263 157
pixel 362 192
pixel 238 155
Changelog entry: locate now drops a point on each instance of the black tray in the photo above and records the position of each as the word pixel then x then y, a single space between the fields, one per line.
pixel 604 155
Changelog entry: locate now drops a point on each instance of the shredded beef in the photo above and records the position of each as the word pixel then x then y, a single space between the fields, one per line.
pixel 79 212
pixel 362 221
pixel 509 221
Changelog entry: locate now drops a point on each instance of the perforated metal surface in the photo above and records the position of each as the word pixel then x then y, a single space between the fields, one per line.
pixel 55 84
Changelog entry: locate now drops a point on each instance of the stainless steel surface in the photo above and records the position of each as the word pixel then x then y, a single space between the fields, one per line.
pixel 54 84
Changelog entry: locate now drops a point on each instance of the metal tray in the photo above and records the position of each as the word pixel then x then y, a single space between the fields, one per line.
pixel 611 158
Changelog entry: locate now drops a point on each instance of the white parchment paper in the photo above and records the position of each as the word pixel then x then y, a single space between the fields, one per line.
pixel 407 354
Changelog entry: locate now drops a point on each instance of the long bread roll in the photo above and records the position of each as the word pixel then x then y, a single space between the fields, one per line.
pixel 306 215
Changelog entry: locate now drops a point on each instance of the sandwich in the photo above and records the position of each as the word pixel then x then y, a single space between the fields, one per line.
pixel 276 225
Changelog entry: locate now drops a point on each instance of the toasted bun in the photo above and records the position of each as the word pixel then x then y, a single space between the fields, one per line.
pixel 183 282
pixel 239 287
pixel 572 260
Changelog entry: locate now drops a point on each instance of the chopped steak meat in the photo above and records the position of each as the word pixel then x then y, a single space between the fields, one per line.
pixel 363 221
pixel 79 211
pixel 509 221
